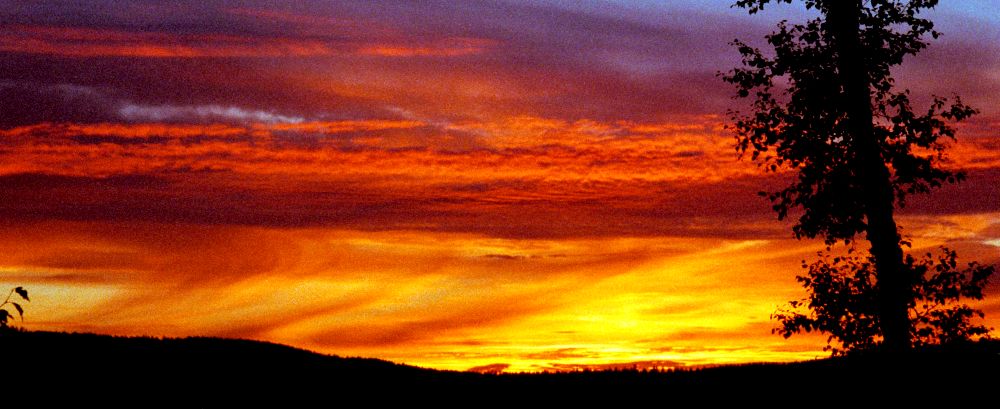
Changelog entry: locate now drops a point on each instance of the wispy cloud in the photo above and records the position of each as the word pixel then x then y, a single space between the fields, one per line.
pixel 156 113
pixel 102 42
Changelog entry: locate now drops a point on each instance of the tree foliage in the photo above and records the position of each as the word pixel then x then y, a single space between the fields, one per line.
pixel 842 301
pixel 825 108
pixel 798 121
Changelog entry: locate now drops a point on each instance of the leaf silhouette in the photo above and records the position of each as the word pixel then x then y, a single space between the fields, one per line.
pixel 22 292
pixel 20 311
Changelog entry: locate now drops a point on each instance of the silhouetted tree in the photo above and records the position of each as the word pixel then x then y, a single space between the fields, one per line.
pixel 824 105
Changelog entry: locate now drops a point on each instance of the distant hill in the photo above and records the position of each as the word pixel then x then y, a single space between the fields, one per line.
pixel 216 372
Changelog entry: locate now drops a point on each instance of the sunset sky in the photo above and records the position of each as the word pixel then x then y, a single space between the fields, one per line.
pixel 519 185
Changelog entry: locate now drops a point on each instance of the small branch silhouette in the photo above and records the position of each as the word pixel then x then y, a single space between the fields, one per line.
pixel 6 316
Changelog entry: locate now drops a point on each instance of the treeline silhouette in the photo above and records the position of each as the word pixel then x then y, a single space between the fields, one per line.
pixel 88 368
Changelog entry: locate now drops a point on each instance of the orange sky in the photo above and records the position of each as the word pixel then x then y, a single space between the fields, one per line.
pixel 525 186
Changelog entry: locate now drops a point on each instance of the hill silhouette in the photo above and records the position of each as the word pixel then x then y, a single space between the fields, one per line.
pixel 89 368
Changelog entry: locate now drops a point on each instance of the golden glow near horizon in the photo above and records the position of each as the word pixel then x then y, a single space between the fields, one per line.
pixel 453 301
pixel 507 190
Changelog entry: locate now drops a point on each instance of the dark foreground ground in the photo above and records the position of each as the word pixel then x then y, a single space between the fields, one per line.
pixel 208 372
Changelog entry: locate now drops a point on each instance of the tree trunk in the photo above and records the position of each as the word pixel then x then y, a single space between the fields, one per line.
pixel 894 292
